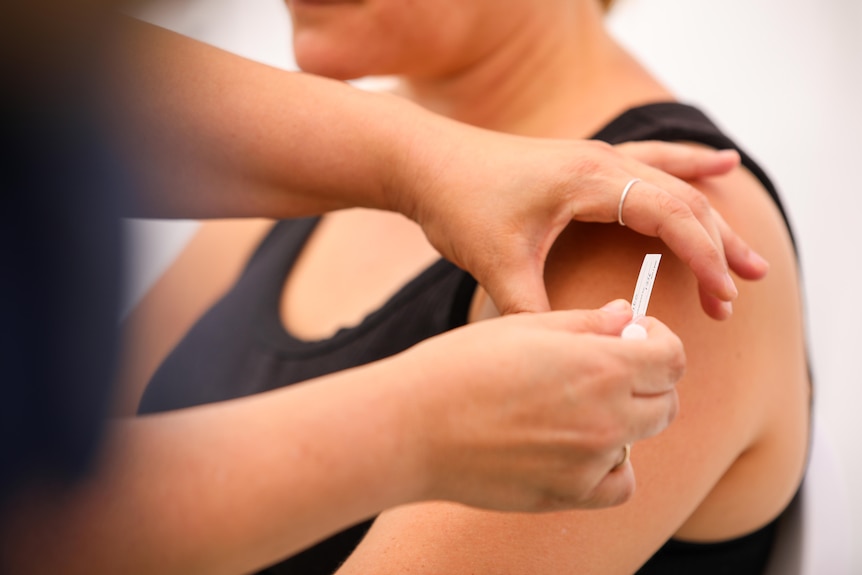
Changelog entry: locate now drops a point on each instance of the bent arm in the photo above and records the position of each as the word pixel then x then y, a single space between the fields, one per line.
pixel 215 135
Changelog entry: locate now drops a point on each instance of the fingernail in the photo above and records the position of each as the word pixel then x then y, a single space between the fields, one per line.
pixel 730 286
pixel 618 305
pixel 634 331
pixel 727 308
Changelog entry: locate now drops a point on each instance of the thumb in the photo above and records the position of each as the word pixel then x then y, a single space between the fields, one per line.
pixel 522 290
pixel 609 320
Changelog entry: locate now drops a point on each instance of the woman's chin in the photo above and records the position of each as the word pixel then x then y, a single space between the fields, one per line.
pixel 332 70
pixel 328 63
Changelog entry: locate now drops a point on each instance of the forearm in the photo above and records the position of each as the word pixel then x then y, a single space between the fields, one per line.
pixel 227 488
pixel 507 422
pixel 213 134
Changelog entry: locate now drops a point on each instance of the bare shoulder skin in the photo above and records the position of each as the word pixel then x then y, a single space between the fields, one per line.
pixel 727 466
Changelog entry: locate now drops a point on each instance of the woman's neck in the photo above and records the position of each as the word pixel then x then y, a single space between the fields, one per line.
pixel 562 77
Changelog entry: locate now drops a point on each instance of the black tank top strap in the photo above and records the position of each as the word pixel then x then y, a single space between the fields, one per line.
pixel 676 122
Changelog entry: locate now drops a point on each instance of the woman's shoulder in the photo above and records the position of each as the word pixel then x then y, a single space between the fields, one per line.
pixel 734 457
pixel 728 465
pixel 746 390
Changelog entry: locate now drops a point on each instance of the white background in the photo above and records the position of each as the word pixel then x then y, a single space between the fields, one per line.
pixel 784 77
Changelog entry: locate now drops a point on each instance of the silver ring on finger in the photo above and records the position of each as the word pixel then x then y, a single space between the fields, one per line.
pixel 625 193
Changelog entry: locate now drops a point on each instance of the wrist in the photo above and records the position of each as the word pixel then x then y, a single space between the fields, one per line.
pixel 415 147
pixel 416 411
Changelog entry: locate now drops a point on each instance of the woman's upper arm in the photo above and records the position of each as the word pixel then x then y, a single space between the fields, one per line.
pixel 202 272
pixel 726 466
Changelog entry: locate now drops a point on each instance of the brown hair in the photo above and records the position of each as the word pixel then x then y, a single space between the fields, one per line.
pixel 606 4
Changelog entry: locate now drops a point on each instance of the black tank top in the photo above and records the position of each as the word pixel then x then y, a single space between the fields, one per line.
pixel 240 347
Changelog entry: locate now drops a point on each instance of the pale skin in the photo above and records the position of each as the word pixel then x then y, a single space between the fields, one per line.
pixel 735 456
pixel 245 548
pixel 233 486
pixel 160 500
pixel 208 148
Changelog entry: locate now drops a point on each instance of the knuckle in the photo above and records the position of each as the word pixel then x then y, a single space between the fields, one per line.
pixel 673 211
pixel 606 437
pixel 674 207
pixel 698 202
pixel 589 164
pixel 617 378
pixel 619 374
pixel 593 320
pixel 595 161
pixel 608 373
